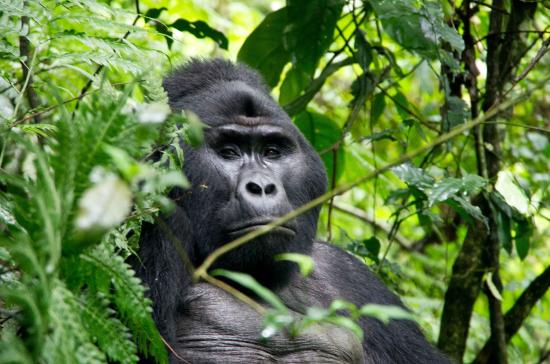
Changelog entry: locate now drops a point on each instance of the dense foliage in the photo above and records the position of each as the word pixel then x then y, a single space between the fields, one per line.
pixel 431 118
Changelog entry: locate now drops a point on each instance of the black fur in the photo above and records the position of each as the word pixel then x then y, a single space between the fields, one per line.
pixel 254 167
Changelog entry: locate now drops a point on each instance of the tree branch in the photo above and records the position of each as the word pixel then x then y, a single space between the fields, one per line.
pixel 515 316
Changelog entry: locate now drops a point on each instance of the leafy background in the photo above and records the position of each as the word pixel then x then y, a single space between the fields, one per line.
pixel 459 230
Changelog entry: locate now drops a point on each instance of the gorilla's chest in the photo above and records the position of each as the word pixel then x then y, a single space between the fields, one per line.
pixel 222 329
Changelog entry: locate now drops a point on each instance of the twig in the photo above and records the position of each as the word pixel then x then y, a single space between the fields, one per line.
pixel 361 215
pixel 26 53
pixel 332 185
pixel 541 52
pixel 171 349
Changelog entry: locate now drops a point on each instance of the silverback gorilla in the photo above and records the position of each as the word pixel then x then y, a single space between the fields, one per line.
pixel 253 167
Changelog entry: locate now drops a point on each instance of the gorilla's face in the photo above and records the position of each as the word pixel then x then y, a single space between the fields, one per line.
pixel 253 161
pixel 249 172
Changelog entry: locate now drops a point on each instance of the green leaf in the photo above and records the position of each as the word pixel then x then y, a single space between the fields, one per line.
pixel 361 88
pixel 111 335
pixel 385 313
pixel 504 230
pixel 322 132
pixel 524 230
pixel 512 193
pixel 452 191
pixel 305 262
pixel 401 104
pixel 413 176
pixel 44 130
pixel 200 29
pixel 372 245
pixel 465 208
pixel 194 130
pixel 457 112
pixel 491 285
pixel 378 106
pixel 162 29
pixel 153 13
pixel 417 26
pixel 347 323
pixel 106 272
pixel 264 49
pixel 249 282
pixel 295 82
pixel 448 187
pixel 364 50
pixel 310 31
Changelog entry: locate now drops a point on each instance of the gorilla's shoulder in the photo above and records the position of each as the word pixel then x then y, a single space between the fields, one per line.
pixel 339 266
pixel 198 74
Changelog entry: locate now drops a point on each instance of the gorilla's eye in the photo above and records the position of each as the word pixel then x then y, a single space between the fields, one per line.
pixel 272 152
pixel 228 152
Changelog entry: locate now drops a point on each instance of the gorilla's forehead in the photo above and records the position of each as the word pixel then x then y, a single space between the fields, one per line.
pixel 252 129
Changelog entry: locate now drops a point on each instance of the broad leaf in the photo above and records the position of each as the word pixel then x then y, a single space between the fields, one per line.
pixel 264 49
pixel 323 133
pixel 310 30
pixel 417 26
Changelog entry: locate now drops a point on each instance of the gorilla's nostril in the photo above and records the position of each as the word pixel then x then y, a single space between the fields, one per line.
pixel 254 188
pixel 270 189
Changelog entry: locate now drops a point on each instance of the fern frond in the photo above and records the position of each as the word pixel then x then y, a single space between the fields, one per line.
pixel 129 298
pixel 12 349
pixel 113 338
pixel 69 341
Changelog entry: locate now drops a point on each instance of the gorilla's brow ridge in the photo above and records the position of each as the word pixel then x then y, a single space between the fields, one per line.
pixel 252 121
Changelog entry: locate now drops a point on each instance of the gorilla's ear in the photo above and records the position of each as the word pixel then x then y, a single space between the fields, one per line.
pixel 197 75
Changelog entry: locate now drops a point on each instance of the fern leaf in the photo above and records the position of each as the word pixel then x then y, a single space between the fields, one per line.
pixel 113 338
pixel 129 298
pixel 69 341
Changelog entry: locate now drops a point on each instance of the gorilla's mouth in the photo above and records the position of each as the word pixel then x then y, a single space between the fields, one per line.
pixel 244 228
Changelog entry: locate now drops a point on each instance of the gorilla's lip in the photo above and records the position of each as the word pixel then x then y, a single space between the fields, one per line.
pixel 244 228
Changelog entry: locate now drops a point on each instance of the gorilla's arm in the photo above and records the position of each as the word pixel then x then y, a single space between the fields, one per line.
pixel 338 274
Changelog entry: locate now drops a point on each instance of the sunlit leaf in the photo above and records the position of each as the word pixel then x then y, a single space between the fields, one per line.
pixel 104 205
pixel 512 193
pixel 385 313
pixel 491 285
pixel 305 262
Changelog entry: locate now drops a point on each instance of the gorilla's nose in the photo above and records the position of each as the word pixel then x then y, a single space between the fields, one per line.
pixel 259 189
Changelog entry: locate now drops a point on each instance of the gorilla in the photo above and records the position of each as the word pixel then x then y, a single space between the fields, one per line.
pixel 253 167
